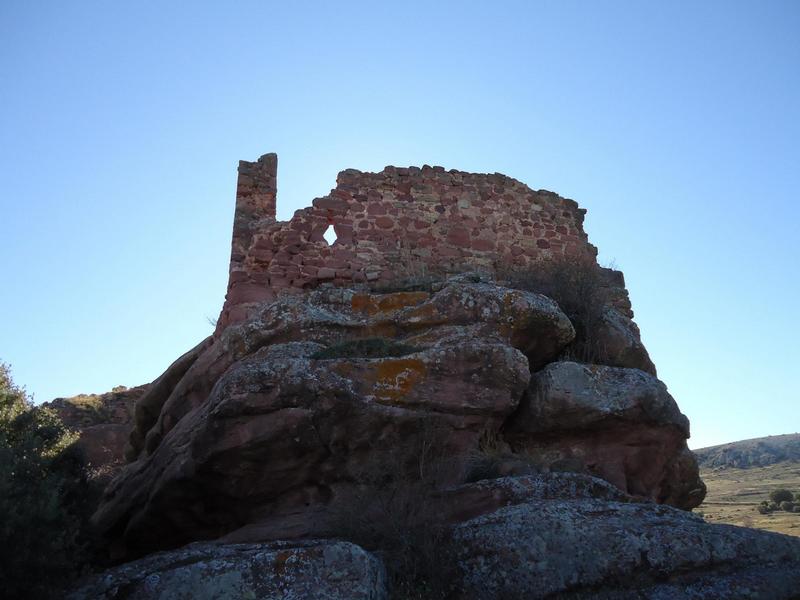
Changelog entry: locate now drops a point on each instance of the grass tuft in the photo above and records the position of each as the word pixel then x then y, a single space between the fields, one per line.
pixel 365 348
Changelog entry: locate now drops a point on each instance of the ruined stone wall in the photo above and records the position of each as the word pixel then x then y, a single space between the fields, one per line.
pixel 391 226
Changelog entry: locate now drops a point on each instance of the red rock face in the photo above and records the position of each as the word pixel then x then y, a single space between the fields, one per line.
pixel 393 225
pixel 254 428
pixel 257 435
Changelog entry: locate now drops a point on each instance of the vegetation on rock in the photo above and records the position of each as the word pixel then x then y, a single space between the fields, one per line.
pixel 581 291
pixel 366 348
pixel 42 486
pixel 394 513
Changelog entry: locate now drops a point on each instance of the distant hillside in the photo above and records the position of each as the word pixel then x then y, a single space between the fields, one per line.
pixel 758 452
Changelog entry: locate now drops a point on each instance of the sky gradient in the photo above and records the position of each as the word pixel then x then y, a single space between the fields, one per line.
pixel 677 126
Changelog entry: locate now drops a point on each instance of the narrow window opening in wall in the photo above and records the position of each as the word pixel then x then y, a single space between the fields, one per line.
pixel 329 235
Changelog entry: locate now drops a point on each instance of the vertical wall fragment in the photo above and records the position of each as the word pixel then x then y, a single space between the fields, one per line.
pixel 256 193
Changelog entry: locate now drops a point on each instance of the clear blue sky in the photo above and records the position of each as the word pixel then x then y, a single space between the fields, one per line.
pixel 675 123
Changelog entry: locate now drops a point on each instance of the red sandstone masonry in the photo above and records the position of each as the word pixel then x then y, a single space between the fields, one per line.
pixel 392 225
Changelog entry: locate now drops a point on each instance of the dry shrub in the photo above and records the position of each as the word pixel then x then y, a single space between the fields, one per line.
pixel 494 458
pixel 581 289
pixel 365 348
pixel 394 512
pixel 486 461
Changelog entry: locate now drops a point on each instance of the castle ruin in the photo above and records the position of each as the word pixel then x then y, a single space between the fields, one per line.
pixel 393 225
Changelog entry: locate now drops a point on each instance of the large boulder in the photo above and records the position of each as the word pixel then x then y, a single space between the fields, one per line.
pixel 568 395
pixel 580 547
pixel 260 427
pixel 327 570
pixel 619 342
pixel 619 424
pixel 463 502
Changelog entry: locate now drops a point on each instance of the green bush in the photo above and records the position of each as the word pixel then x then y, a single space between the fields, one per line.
pixel 42 485
pixel 365 348
pixel 781 495
pixel 787 506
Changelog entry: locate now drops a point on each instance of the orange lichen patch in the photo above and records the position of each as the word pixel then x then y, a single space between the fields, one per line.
pixel 393 379
pixel 388 379
pixel 426 313
pixel 363 303
pixel 371 305
pixel 345 368
pixel 510 303
pixel 400 300
pixel 280 561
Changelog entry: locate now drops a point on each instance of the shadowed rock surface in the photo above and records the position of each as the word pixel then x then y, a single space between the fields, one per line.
pixel 315 569
pixel 579 547
pixel 557 535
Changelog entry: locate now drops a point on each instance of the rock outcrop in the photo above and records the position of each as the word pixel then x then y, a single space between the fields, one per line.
pixel 103 422
pixel 530 428
pixel 262 428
